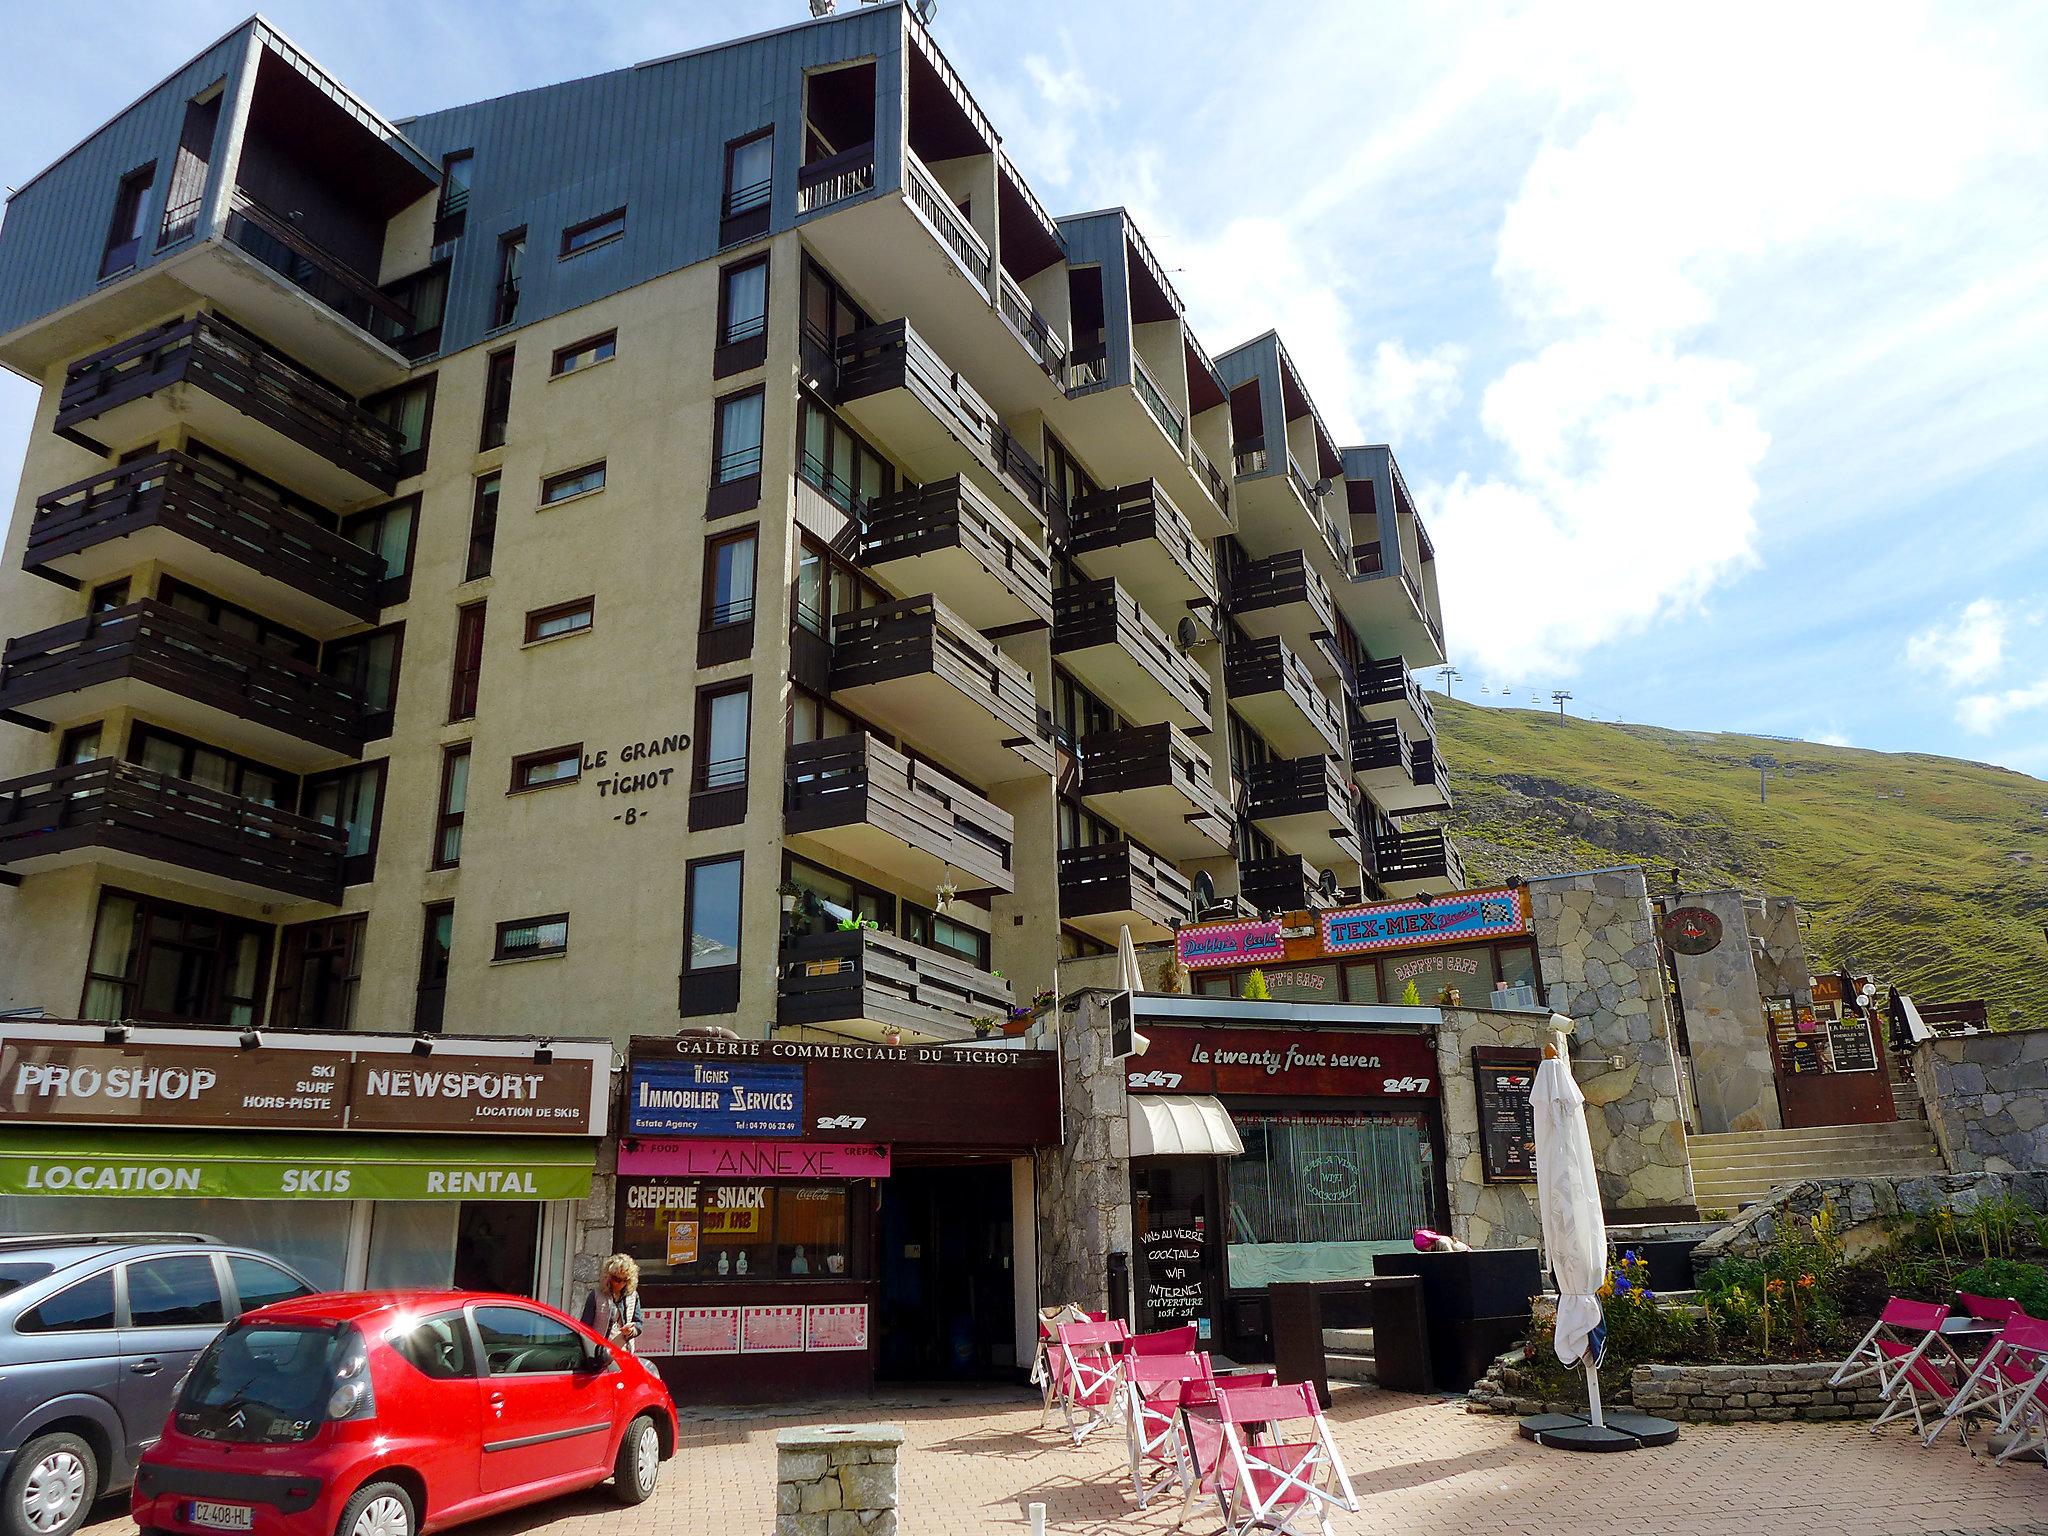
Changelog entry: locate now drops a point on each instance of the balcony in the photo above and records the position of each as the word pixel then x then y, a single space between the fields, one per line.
pixel 836 178
pixel 1388 690
pixel 120 816
pixel 245 546
pixel 1154 782
pixel 1431 780
pixel 1283 595
pixel 1162 412
pixel 921 672
pixel 947 538
pixel 1277 694
pixel 1105 887
pixel 1308 806
pixel 1411 863
pixel 1137 536
pixel 892 385
pixel 245 399
pixel 1278 509
pixel 1106 640
pixel 1380 757
pixel 865 982
pixel 192 675
pixel 851 798
pixel 1286 884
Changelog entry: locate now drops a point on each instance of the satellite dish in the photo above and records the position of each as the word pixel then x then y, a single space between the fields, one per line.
pixel 1323 488
pixel 1187 634
pixel 1205 891
pixel 1327 884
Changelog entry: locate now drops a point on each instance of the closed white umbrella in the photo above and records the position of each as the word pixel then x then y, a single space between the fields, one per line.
pixel 1568 1198
pixel 1127 977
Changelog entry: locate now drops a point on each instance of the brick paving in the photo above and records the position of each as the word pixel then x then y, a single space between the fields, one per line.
pixel 973 1460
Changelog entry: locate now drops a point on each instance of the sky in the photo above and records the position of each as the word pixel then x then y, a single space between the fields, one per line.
pixel 1712 341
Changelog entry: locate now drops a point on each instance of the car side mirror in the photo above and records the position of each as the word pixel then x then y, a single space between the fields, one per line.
pixel 596 1356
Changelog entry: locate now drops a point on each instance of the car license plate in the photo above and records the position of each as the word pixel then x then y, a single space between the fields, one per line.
pixel 221 1517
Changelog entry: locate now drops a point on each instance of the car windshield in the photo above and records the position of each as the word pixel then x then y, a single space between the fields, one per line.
pixel 14 1276
pixel 262 1383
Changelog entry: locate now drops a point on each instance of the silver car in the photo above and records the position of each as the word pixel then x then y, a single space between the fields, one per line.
pixel 96 1332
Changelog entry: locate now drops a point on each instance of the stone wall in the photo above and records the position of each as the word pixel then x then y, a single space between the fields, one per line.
pixel 1596 941
pixel 594 1218
pixel 1861 1207
pixel 1782 966
pixel 837 1480
pixel 1724 1394
pixel 1988 1101
pixel 1084 1184
pixel 1733 1080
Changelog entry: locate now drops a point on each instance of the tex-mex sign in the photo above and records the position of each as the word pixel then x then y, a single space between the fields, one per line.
pixel 1458 918
pixel 57 1074
pixel 1309 1063
pixel 904 1095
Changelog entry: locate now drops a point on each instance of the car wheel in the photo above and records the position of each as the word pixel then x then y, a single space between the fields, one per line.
pixel 50 1488
pixel 639 1463
pixel 378 1509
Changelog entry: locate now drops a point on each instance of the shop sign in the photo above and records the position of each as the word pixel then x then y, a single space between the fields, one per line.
pixel 716 1159
pixel 1406 924
pixel 1507 1113
pixel 1321 1063
pixel 436 1093
pixel 1205 945
pixel 657 1331
pixel 1692 930
pixel 718 1048
pixel 672 1097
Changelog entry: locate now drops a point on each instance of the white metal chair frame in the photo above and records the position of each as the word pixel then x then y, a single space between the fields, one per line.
pixel 1093 1372
pixel 1152 1426
pixel 1313 1482
pixel 2007 1377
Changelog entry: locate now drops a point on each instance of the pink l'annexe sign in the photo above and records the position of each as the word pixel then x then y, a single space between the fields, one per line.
pixel 711 1159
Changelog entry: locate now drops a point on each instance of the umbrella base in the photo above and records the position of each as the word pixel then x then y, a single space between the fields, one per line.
pixel 1620 1432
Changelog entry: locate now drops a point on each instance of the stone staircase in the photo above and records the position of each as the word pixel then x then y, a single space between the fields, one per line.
pixel 1348 1352
pixel 1741 1167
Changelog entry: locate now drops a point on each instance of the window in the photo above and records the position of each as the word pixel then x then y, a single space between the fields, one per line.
pixel 367 664
pixel 742 318
pixel 389 532
pixel 409 411
pixel 318 967
pixel 578 238
pixel 452 217
pixel 156 960
pixel 782 1231
pixel 483 527
pixel 497 399
pixel 722 719
pixel 518 1342
pixel 712 915
pixel 935 931
pixel 182 198
pixel 570 618
pixel 424 295
pixel 531 938
pixel 80 744
pixel 108 596
pixel 1077 713
pixel 729 578
pixel 1314 1196
pixel 352 799
pixel 437 941
pixel 828 588
pixel 258 1284
pixel 833 460
pixel 812 719
pixel 511 259
pixel 454 796
pixel 825 900
pixel 180 757
pixel 736 452
pixel 87 1307
pixel 242 623
pixel 572 482
pixel 544 770
pixel 467 674
pixel 177 1292
pixel 749 174
pixel 584 354
pixel 124 230
pixel 437 1347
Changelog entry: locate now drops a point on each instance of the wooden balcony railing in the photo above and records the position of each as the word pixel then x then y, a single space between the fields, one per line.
pixel 1268 666
pixel 1089 614
pixel 1428 770
pixel 1151 757
pixel 1278 580
pixel 1015 464
pixel 856 780
pixel 1108 878
pixel 836 178
pixel 1378 744
pixel 122 808
pixel 1284 883
pixel 1301 786
pixel 930 199
pixel 227 362
pixel 1427 854
pixel 915 636
pixel 1126 514
pixel 1389 682
pixel 950 514
pixel 183 496
pixel 867 974
pixel 284 248
pixel 152 642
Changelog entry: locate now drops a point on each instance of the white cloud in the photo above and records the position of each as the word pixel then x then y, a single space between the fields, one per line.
pixel 1968 650
pixel 1407 395
pixel 1829 739
pixel 1983 713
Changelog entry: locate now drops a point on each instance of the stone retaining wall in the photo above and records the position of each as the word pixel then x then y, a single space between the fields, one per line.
pixel 1861 1207
pixel 1989 1105
pixel 1722 1394
pixel 837 1480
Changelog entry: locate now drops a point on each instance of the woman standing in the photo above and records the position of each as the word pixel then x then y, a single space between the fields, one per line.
pixel 612 1309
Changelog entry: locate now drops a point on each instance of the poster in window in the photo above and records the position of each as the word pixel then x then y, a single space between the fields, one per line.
pixel 657 1331
pixel 1176 1259
pixel 682 1242
pixel 836 1328
pixel 772 1330
pixel 707 1331
pixel 1507 1113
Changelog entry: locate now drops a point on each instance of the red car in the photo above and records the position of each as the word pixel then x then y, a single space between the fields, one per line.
pixel 395 1413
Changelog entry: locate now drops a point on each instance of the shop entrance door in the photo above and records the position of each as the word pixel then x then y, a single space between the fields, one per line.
pixel 1180 1247
pixel 497 1243
pixel 947 1309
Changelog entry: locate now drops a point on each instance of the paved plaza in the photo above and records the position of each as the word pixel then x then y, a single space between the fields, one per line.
pixel 972 1460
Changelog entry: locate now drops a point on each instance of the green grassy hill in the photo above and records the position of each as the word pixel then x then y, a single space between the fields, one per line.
pixel 1928 871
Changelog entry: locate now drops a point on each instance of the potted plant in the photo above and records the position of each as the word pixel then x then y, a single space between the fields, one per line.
pixel 1254 990
pixel 984 1026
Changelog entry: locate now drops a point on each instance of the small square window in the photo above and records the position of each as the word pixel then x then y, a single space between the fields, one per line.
pixel 571 618
pixel 584 354
pixel 572 482
pixel 530 938
pixel 578 238
pixel 544 770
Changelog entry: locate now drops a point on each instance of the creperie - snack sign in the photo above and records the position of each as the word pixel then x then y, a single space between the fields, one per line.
pixel 1326 1063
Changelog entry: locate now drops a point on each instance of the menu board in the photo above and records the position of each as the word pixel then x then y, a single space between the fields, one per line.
pixel 1801 1056
pixel 1507 1114
pixel 1850 1044
pixel 1175 1249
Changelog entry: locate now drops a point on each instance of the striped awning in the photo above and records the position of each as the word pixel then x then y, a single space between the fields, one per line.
pixel 1182 1125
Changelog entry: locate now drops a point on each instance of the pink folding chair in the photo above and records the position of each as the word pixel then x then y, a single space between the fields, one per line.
pixel 1208 1468
pixel 1918 1379
pixel 1168 1341
pixel 1285 1470
pixel 2009 1386
pixel 1914 1324
pixel 1046 1364
pixel 1153 1388
pixel 1091 1368
pixel 1991 1309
